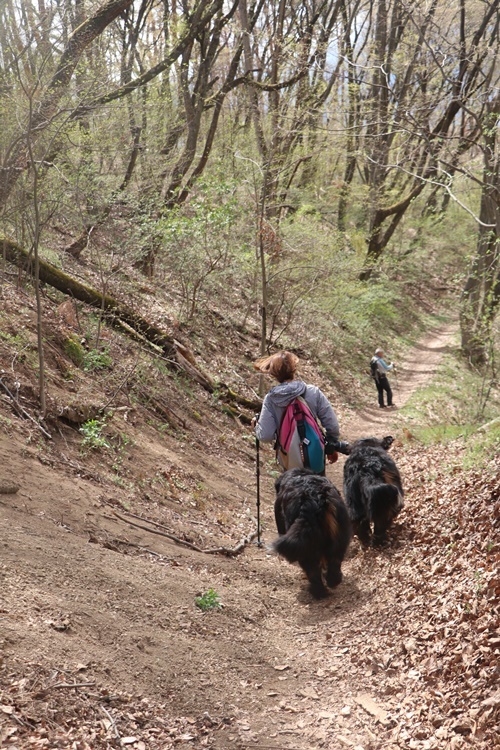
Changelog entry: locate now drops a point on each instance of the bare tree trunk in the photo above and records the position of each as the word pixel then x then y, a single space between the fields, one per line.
pixel 473 75
pixel 36 245
pixel 352 125
pixel 263 278
pixel 481 293
pixel 251 91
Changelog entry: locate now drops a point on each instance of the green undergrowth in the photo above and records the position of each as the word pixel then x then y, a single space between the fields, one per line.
pixel 458 404
pixel 208 601
pixel 482 445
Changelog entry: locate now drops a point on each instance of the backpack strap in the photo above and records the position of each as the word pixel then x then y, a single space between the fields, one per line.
pixel 301 429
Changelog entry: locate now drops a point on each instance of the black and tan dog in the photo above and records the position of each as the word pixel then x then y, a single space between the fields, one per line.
pixel 372 489
pixel 314 527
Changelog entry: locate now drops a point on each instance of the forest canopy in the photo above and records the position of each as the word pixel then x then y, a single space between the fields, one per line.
pixel 297 149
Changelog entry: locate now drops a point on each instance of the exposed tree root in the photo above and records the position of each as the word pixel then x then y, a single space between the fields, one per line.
pixel 161 531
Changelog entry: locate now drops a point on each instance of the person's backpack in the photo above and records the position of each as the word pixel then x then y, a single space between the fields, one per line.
pixel 374 368
pixel 300 443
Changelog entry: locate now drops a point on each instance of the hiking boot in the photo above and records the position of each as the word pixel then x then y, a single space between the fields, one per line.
pixel 381 406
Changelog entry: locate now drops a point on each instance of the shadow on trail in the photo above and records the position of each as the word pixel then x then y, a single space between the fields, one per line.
pixel 419 367
pixel 345 599
pixel 350 596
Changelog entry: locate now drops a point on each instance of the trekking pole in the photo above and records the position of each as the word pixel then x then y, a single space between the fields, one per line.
pixel 396 378
pixel 257 472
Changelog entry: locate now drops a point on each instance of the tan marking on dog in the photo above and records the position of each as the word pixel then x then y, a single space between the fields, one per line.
pixel 331 523
pixel 389 477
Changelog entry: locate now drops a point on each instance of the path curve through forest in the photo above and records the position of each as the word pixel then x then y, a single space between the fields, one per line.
pixel 416 370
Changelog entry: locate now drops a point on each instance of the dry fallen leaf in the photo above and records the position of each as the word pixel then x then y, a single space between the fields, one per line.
pixel 366 702
pixel 309 692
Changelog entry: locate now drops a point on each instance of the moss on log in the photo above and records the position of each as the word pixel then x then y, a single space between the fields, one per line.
pixel 228 394
pixel 56 278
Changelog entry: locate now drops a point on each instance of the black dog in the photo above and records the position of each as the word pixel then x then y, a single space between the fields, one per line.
pixel 372 489
pixel 314 527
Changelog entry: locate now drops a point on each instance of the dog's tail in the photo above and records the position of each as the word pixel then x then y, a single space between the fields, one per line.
pixel 305 537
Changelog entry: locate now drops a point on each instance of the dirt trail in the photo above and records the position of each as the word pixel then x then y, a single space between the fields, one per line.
pixel 414 372
pixel 272 669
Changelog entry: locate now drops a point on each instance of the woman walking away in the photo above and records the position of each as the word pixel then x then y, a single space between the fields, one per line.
pixel 283 367
pixel 379 367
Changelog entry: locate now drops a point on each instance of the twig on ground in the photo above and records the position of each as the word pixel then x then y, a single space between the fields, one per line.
pixel 137 546
pixel 122 382
pixel 69 685
pixel 86 474
pixel 22 411
pixel 113 722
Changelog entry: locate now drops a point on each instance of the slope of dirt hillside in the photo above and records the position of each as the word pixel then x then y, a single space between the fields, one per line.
pixel 103 646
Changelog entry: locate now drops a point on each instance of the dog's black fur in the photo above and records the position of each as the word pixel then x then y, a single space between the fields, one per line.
pixel 314 527
pixel 372 489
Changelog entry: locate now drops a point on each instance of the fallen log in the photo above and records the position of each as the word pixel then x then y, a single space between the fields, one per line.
pixel 129 321
pixel 115 310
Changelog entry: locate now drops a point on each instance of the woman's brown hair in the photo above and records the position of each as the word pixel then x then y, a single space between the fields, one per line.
pixel 281 365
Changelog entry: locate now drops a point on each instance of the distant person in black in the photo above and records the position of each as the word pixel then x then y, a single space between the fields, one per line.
pixel 379 367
